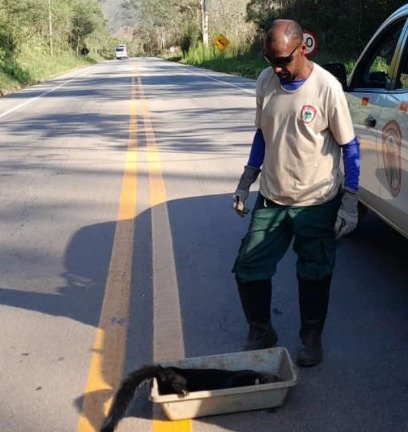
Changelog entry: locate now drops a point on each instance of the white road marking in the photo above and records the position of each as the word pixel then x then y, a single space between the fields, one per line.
pixel 17 107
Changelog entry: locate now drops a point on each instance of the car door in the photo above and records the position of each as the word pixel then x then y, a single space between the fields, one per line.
pixel 393 161
pixel 368 94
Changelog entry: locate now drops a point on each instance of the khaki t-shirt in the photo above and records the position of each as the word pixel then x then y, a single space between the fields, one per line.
pixel 302 130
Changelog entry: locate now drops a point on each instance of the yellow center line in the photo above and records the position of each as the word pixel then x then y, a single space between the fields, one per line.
pixel 107 360
pixel 168 342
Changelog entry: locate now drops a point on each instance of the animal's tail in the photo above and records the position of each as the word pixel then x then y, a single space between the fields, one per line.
pixel 125 395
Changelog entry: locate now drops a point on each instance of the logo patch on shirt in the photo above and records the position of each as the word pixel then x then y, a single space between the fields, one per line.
pixel 308 113
pixel 391 150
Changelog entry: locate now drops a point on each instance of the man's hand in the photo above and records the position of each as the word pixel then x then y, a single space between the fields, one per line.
pixel 248 177
pixel 347 216
pixel 239 202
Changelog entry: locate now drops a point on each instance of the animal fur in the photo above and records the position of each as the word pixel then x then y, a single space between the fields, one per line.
pixel 179 381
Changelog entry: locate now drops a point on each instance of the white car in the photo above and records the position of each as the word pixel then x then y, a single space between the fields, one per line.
pixel 377 92
pixel 121 52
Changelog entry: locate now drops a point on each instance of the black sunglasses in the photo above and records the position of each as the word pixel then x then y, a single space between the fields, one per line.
pixel 283 61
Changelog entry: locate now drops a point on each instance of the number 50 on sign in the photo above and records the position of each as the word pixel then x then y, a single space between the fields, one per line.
pixel 310 40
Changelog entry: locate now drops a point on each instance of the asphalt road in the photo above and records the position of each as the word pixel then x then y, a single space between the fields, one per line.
pixel 116 244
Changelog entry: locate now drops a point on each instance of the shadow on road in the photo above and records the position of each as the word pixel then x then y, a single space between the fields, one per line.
pixel 366 339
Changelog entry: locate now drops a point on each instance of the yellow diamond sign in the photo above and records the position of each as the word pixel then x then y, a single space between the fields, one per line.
pixel 221 42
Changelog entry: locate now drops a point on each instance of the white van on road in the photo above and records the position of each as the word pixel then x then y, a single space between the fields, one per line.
pixel 121 52
pixel 377 92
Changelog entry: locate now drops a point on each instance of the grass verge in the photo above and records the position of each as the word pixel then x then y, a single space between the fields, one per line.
pixel 32 66
pixel 246 65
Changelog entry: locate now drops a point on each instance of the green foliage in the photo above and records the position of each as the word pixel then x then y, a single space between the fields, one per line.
pixel 29 28
pixel 200 54
pixel 246 66
pixel 87 18
pixel 190 37
pixel 15 72
pixel 159 24
pixel 33 66
pixel 342 27
pixel 231 60
pixel 7 46
pixel 262 12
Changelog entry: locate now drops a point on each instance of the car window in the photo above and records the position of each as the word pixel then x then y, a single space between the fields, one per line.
pixel 402 77
pixel 374 71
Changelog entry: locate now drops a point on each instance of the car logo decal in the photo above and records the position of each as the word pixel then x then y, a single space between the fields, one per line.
pixel 404 106
pixel 308 113
pixel 391 150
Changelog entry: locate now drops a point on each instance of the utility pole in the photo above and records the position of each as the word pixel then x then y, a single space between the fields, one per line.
pixel 204 21
pixel 50 26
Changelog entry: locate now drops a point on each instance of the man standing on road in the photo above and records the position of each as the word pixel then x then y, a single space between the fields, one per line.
pixel 303 126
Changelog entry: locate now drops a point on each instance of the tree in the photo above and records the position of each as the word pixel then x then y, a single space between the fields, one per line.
pixel 184 22
pixel 25 25
pixel 262 12
pixel 87 16
pixel 204 21
pixel 160 23
pixel 343 28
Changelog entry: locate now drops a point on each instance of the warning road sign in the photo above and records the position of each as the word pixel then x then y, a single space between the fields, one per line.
pixel 221 42
pixel 310 40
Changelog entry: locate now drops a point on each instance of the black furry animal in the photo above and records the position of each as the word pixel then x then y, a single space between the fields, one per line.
pixel 179 381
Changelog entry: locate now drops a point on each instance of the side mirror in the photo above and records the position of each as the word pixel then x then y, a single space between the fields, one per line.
pixel 339 71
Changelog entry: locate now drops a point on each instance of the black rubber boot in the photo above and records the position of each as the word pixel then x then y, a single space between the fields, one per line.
pixel 256 303
pixel 313 303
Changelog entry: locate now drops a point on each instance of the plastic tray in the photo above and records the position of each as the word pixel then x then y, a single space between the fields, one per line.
pixel 203 403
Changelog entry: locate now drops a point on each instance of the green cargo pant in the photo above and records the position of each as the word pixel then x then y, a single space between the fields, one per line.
pixel 271 231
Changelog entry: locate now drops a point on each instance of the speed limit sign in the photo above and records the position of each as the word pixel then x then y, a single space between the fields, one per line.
pixel 310 40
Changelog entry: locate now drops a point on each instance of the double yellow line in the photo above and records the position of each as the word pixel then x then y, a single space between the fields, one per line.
pixel 109 350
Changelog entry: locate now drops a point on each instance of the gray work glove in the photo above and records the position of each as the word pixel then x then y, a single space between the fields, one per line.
pixel 347 216
pixel 248 177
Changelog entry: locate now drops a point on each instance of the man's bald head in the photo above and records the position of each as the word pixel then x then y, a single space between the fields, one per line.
pixel 285 50
pixel 284 31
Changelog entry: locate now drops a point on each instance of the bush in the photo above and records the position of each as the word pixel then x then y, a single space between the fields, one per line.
pixel 200 53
